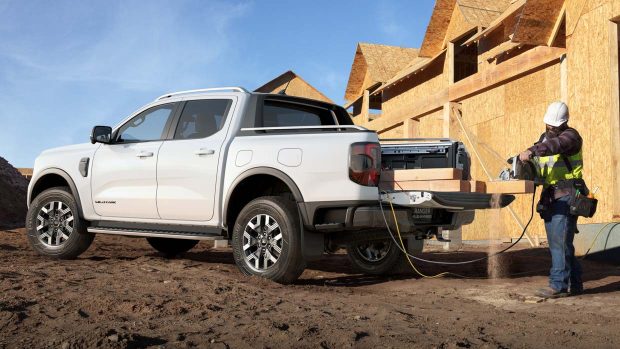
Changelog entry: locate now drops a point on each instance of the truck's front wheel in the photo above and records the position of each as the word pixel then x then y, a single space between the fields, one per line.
pixel 381 257
pixel 266 240
pixel 54 226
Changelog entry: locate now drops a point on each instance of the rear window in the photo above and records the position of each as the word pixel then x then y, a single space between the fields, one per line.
pixel 281 114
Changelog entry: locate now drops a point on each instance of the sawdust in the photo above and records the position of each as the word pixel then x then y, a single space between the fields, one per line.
pixel 13 188
pixel 498 266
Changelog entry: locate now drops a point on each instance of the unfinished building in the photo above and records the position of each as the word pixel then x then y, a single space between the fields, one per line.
pixel 293 85
pixel 494 66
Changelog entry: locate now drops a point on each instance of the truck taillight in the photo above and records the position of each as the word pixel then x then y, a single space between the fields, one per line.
pixel 365 163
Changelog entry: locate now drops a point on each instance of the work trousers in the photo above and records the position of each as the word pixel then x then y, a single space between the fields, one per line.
pixel 561 227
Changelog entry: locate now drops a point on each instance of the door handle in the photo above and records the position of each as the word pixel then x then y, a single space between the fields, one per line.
pixel 145 154
pixel 203 151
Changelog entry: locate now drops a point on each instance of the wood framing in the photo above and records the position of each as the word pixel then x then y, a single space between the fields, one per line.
pixel 614 114
pixel 520 65
pixel 531 54
pixel 294 86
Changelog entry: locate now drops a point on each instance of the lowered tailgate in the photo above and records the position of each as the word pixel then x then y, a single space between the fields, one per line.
pixel 450 201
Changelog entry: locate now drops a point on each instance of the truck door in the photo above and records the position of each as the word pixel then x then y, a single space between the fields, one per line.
pixel 187 168
pixel 124 182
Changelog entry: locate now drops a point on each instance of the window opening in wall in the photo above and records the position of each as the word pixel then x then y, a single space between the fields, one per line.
pixel 465 58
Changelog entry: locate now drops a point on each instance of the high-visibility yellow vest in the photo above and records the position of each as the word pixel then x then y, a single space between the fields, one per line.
pixel 553 168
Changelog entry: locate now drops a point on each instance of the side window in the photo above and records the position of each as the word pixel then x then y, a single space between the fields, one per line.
pixel 282 114
pixel 202 118
pixel 146 126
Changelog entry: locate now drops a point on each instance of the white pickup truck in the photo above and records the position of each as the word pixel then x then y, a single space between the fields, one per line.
pixel 283 178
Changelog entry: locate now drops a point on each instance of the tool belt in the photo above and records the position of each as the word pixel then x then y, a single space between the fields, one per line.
pixel 580 204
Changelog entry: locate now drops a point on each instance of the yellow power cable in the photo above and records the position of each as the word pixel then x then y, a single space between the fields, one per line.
pixel 404 248
pixel 597 235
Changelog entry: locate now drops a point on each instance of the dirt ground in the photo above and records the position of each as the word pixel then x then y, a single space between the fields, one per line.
pixel 121 294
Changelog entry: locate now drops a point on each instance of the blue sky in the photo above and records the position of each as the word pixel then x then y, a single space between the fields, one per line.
pixel 66 66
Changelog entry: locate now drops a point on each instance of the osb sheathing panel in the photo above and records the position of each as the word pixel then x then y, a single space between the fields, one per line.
pixel 437 28
pixel 299 87
pixel 589 101
pixel 356 76
pixel 574 9
pixel 396 132
pixel 424 84
pixel 376 63
pixel 431 126
pixel 502 122
pixel 458 25
pixel 482 12
pixel 537 21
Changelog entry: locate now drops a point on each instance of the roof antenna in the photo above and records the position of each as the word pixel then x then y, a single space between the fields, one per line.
pixel 283 91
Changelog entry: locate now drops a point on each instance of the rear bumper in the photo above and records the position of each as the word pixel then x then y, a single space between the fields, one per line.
pixel 448 211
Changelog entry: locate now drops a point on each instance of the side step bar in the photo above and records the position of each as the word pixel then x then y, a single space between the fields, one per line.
pixel 156 233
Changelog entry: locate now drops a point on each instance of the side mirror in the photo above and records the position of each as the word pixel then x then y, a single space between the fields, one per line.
pixel 101 134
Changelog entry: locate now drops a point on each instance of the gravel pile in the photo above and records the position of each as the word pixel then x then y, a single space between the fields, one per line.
pixel 13 189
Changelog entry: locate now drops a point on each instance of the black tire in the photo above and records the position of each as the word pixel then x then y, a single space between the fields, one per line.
pixel 290 262
pixel 49 241
pixel 171 247
pixel 390 261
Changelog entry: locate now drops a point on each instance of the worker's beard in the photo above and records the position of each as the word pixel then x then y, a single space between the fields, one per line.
pixel 553 132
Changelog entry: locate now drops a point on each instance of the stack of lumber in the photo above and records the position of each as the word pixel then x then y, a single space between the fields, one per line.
pixel 447 180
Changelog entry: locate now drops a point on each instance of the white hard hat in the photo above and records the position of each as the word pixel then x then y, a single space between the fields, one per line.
pixel 557 114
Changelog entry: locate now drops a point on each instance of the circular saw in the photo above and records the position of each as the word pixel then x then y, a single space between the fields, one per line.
pixel 520 170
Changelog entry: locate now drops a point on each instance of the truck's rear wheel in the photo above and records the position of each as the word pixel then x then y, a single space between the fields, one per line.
pixel 54 226
pixel 266 240
pixel 381 257
pixel 171 247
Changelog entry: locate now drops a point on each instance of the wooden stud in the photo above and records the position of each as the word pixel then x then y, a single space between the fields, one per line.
pixel 411 127
pixel 365 114
pixel 450 63
pixel 615 115
pixel 564 78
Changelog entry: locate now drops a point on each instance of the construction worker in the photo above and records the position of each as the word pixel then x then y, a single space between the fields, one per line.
pixel 558 153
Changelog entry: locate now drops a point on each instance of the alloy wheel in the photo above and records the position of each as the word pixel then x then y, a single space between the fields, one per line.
pixel 55 223
pixel 262 242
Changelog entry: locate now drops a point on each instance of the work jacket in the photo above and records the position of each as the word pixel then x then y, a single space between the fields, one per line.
pixel 559 158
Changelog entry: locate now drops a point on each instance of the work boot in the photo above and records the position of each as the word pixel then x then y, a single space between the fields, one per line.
pixel 575 291
pixel 550 293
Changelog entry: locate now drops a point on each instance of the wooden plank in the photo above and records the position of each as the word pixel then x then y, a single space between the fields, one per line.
pixel 510 187
pixel 424 174
pixel 442 186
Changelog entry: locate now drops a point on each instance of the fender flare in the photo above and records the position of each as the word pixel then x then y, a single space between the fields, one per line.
pixel 272 172
pixel 66 177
